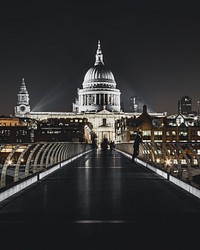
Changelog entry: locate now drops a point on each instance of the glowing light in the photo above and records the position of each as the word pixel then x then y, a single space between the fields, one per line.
pixel 50 97
pixel 158 160
pixel 168 162
pixel 10 162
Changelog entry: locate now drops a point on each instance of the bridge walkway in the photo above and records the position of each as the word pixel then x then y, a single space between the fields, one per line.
pixel 101 201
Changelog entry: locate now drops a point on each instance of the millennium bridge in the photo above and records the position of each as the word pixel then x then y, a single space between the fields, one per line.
pixel 72 196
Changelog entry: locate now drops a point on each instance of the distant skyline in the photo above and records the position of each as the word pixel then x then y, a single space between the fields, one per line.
pixel 152 48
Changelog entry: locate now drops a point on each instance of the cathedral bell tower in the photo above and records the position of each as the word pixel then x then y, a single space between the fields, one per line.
pixel 22 106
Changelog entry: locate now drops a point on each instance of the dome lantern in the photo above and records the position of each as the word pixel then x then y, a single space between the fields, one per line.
pixel 99 75
pixel 99 55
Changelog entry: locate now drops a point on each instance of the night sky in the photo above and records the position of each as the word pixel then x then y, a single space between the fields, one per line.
pixel 152 48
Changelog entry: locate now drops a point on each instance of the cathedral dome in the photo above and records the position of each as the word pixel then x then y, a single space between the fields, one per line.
pixel 99 90
pixel 99 76
pixel 99 73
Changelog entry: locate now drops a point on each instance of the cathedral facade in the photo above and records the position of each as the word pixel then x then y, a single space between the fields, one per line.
pixel 98 101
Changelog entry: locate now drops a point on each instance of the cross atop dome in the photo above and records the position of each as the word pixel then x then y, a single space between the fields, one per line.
pixel 23 81
pixel 99 55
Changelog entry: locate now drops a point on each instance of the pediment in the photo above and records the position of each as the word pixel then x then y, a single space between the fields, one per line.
pixel 104 112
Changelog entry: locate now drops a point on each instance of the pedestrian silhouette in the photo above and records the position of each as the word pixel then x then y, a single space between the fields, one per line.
pixel 104 144
pixel 136 146
pixel 112 145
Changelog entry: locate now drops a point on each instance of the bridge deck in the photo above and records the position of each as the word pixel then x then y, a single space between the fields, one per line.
pixel 101 201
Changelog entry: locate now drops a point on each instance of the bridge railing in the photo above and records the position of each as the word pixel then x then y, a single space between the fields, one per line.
pixel 181 160
pixel 18 161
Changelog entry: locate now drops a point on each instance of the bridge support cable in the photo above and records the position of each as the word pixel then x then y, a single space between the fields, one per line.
pixel 160 154
pixel 144 152
pixel 180 160
pixel 8 162
pixel 176 160
pixel 195 155
pixel 29 160
pixel 66 152
pixel 61 151
pixel 188 163
pixel 50 155
pixel 166 152
pixel 19 161
pixel 57 150
pixel 38 155
pixel 44 156
pixel 167 157
pixel 151 152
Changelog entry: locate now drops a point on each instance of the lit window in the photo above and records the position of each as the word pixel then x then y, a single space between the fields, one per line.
pixel 173 132
pixel 146 133
pixel 183 133
pixel 157 132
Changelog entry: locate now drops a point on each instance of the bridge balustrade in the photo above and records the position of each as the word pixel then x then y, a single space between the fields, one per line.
pixel 179 159
pixel 18 161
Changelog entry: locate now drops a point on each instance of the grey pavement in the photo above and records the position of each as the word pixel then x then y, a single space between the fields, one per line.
pixel 101 201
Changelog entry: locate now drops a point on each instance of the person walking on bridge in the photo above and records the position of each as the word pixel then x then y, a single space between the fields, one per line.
pixel 136 145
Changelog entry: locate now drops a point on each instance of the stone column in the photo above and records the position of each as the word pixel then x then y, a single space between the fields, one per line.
pixel 106 99
pixel 112 99
pixel 80 100
pixel 95 99
pixel 109 99
pixel 103 99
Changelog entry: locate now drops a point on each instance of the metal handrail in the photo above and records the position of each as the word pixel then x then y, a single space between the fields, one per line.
pixel 35 156
pixel 179 159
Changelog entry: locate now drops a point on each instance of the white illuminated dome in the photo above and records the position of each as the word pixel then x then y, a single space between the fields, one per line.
pixel 99 76
pixel 99 90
